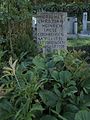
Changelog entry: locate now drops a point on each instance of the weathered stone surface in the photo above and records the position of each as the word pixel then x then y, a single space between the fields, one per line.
pixel 52 30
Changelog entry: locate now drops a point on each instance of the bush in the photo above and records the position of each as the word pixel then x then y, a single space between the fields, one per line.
pixel 85 49
pixel 53 87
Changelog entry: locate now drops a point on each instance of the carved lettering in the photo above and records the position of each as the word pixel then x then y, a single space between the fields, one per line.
pixel 51 27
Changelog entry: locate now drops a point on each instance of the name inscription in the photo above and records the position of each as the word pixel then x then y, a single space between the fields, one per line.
pixel 51 28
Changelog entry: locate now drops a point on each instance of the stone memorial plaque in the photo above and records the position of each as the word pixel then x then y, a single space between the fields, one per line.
pixel 52 30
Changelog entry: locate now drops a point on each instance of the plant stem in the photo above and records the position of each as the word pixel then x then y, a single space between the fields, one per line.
pixel 17 81
pixel 59 116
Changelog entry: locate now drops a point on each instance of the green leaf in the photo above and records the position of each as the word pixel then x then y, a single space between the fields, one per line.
pixel 37 107
pixel 71 108
pixel 48 117
pixel 18 113
pixel 57 91
pixel 87 84
pixel 39 62
pixel 30 116
pixel 65 76
pixel 69 111
pixel 58 106
pixel 69 115
pixel 55 75
pixel 6 110
pixel 71 83
pixel 6 106
pixel 69 91
pixel 49 98
pixel 29 75
pixel 83 115
pixel 50 64
pixel 58 58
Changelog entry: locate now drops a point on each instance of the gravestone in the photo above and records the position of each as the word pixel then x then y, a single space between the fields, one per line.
pixel 52 30
pixel 86 24
pixel 72 25
pixel 84 31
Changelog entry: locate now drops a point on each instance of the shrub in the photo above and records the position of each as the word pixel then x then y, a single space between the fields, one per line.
pixel 54 87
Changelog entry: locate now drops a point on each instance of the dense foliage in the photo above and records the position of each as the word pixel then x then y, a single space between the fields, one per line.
pixel 53 87
pixel 82 44
pixel 44 87
pixel 16 27
pixel 72 8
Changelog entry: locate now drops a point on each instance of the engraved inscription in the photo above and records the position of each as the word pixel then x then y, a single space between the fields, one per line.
pixel 51 27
